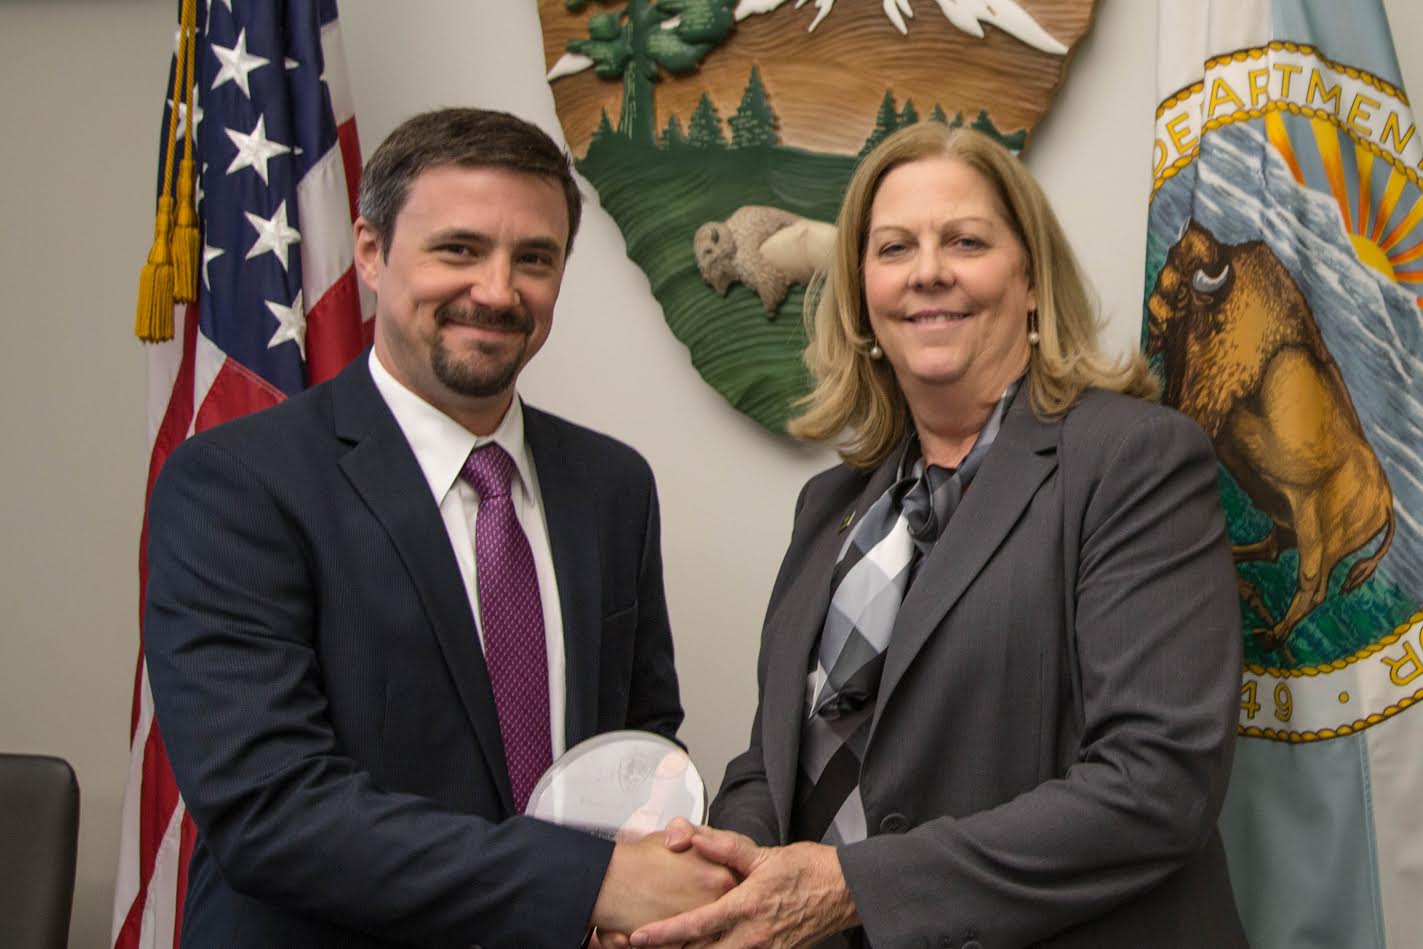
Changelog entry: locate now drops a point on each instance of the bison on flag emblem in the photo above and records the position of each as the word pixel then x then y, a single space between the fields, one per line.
pixel 1246 360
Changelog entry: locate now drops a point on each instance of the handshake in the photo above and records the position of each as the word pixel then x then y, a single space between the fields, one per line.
pixel 691 886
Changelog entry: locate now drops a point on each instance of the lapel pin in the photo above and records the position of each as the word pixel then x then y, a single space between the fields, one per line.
pixel 845 522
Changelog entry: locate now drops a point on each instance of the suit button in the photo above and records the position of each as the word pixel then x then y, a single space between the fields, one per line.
pixel 894 824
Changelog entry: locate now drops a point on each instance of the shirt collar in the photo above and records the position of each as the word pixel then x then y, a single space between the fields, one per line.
pixel 441 444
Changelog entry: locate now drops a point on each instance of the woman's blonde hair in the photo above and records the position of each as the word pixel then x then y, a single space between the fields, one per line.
pixel 856 398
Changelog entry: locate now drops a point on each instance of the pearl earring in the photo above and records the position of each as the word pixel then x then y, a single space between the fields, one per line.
pixel 875 351
pixel 1033 337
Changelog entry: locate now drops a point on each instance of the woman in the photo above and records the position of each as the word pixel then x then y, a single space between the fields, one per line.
pixel 1000 665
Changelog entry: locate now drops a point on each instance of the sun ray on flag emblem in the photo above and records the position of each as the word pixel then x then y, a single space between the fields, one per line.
pixel 1380 199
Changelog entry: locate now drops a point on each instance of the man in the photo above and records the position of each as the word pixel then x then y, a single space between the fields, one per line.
pixel 377 611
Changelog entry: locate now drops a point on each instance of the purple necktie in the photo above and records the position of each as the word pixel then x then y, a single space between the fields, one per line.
pixel 514 647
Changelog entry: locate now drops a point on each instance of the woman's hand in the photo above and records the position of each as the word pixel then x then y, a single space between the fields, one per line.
pixel 788 896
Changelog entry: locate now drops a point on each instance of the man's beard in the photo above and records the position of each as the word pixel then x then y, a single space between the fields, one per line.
pixel 475 376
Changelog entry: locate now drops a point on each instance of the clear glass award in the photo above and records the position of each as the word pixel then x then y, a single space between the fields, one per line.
pixel 620 784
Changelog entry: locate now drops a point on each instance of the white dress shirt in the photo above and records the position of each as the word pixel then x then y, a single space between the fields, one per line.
pixel 441 446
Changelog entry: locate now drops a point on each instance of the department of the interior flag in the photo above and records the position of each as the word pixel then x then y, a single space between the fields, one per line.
pixel 1284 285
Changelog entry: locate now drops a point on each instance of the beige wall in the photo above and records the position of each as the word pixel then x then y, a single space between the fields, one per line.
pixel 79 86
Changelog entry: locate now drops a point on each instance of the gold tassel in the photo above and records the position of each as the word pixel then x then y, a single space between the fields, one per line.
pixel 187 243
pixel 186 240
pixel 154 320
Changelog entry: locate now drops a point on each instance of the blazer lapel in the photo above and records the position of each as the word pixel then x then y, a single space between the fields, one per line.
pixel 383 471
pixel 573 540
pixel 792 630
pixel 1022 457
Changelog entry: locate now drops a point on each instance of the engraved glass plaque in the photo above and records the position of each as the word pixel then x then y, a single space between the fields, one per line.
pixel 623 783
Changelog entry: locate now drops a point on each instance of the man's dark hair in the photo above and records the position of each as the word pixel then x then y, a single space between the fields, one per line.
pixel 468 138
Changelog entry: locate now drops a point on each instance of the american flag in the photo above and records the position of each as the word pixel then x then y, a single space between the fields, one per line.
pixel 279 308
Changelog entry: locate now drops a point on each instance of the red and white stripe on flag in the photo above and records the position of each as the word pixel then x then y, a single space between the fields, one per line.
pixel 279 307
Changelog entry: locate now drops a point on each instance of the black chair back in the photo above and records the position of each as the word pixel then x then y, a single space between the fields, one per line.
pixel 39 842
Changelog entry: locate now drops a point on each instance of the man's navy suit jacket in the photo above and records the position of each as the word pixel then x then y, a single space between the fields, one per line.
pixel 320 686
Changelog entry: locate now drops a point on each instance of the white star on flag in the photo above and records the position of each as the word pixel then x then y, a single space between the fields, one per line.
pixel 274 235
pixel 254 149
pixel 183 116
pixel 210 254
pixel 291 322
pixel 236 64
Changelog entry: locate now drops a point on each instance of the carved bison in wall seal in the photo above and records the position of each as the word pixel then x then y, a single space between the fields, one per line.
pixel 1243 356
pixel 767 249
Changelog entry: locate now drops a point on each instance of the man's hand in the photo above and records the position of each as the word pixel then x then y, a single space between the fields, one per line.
pixel 606 940
pixel 646 881
pixel 789 896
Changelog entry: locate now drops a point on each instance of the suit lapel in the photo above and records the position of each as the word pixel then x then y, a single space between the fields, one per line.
pixel 794 628
pixel 573 540
pixel 383 471
pixel 1022 457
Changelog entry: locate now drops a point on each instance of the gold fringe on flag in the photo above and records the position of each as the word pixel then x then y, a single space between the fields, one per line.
pixel 153 321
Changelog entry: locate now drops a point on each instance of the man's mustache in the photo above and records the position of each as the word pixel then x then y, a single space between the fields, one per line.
pixel 513 319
